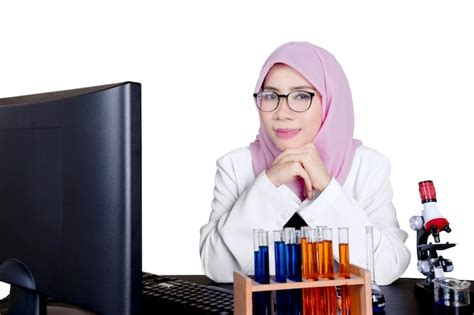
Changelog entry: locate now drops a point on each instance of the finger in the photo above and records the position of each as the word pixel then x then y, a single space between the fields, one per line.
pixel 305 161
pixel 301 172
pixel 308 149
pixel 285 153
pixel 297 157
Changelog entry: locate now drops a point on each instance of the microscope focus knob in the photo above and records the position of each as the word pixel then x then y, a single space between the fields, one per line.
pixel 449 268
pixel 424 267
pixel 416 223
pixel 445 263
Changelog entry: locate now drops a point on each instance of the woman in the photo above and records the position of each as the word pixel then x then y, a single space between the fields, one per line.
pixel 304 168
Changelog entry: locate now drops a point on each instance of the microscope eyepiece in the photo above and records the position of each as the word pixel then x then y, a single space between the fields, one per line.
pixel 427 191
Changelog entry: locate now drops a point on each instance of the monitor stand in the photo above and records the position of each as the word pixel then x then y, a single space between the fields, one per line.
pixel 23 296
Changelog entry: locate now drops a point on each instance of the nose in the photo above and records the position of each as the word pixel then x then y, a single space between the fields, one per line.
pixel 283 111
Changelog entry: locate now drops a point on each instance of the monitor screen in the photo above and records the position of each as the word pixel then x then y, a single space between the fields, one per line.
pixel 70 195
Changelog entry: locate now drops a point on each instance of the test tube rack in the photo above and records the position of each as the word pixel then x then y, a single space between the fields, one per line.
pixel 359 284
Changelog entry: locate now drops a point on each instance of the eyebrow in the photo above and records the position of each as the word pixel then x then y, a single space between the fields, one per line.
pixel 295 88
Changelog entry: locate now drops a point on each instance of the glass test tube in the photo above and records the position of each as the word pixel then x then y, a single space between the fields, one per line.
pixel 344 264
pixel 319 294
pixel 344 269
pixel 296 268
pixel 283 300
pixel 295 254
pixel 256 257
pixel 320 236
pixel 264 259
pixel 261 300
pixel 326 268
pixel 313 259
pixel 370 251
pixel 288 257
pixel 311 297
pixel 378 299
pixel 280 263
pixel 305 231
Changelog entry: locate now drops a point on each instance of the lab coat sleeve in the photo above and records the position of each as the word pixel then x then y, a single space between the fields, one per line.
pixel 370 204
pixel 226 242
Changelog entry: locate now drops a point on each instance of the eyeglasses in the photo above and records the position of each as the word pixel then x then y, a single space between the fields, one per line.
pixel 298 101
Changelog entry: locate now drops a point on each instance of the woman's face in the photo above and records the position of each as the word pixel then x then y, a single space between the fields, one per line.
pixel 289 129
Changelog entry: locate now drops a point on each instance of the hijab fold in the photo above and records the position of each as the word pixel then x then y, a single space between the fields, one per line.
pixel 334 141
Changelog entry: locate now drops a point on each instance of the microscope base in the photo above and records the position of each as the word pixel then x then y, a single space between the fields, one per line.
pixel 424 292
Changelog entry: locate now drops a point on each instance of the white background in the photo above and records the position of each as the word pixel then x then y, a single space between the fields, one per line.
pixel 410 66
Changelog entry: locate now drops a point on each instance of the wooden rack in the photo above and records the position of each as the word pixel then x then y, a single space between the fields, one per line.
pixel 359 283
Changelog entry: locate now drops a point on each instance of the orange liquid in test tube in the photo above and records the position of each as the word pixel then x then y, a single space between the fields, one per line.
pixel 328 262
pixel 313 270
pixel 344 266
pixel 330 302
pixel 326 267
pixel 321 258
pixel 344 269
pixel 311 300
pixel 345 300
pixel 304 257
pixel 311 273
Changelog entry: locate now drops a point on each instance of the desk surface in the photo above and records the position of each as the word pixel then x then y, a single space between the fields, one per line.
pixel 400 295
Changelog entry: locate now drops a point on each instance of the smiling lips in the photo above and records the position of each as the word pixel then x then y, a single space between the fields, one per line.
pixel 285 133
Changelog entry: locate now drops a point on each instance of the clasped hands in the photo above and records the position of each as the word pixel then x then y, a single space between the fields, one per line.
pixel 303 162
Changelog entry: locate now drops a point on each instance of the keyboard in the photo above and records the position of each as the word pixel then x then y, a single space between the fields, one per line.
pixel 170 295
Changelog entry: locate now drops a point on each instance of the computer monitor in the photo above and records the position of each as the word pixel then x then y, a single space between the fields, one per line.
pixel 70 198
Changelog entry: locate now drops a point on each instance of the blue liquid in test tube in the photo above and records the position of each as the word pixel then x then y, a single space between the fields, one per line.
pixel 288 256
pixel 261 259
pixel 296 263
pixel 280 264
pixel 256 256
pixel 264 265
pixel 256 264
pixel 295 254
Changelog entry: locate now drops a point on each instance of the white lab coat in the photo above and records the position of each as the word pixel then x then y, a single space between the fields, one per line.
pixel 242 203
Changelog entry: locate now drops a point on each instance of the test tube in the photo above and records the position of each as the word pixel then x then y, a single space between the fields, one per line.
pixel 326 268
pixel 288 257
pixel 370 250
pixel 261 300
pixel 295 249
pixel 344 269
pixel 305 235
pixel 378 299
pixel 319 294
pixel 313 254
pixel 295 274
pixel 344 264
pixel 320 236
pixel 280 264
pixel 264 259
pixel 256 255
pixel 282 296
pixel 328 263
pixel 311 296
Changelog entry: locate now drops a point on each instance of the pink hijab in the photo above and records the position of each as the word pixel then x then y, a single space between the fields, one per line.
pixel 334 140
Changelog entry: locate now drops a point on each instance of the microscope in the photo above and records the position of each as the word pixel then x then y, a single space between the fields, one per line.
pixel 449 295
pixel 431 222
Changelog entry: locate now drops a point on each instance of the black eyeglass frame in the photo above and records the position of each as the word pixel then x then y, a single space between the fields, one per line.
pixel 312 94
